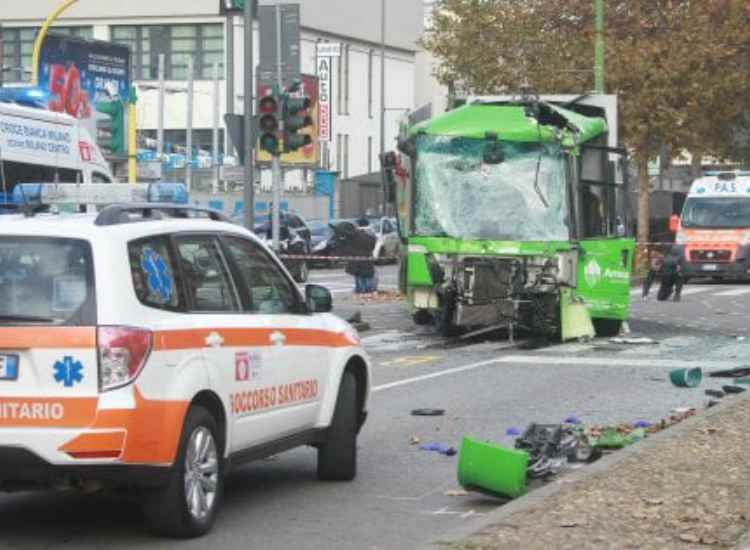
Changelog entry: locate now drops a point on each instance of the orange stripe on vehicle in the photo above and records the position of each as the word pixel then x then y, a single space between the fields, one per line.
pixel 47 337
pixel 236 337
pixel 153 429
pixel 96 445
pixel 46 412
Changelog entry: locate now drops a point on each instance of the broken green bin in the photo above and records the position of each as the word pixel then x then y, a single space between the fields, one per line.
pixel 491 469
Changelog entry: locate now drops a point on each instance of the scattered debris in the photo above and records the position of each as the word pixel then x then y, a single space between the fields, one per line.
pixel 686 378
pixel 642 424
pixel 572 420
pixel 718 394
pixel 569 524
pixel 513 432
pixel 639 340
pixel 460 493
pixel 733 389
pixel 355 318
pixel 414 440
pixel 742 372
pixel 439 448
pixel 428 412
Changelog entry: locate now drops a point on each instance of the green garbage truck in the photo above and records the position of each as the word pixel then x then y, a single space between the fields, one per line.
pixel 513 213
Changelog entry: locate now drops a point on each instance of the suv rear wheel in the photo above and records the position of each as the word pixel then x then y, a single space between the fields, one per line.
pixel 187 505
pixel 337 457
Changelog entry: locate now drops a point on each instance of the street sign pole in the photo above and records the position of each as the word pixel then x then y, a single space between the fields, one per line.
pixel 249 188
pixel 276 161
pixel 382 108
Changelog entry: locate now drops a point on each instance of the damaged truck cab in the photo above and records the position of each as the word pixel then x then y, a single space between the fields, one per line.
pixel 513 214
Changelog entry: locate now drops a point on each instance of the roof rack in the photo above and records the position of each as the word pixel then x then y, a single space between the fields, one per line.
pixel 119 214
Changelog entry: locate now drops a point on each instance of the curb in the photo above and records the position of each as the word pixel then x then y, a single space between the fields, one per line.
pixel 536 497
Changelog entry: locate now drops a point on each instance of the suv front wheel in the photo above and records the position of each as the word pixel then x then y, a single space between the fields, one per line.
pixel 337 457
pixel 187 505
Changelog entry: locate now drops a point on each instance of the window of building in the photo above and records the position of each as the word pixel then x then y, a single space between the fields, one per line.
pixel 204 43
pixel 346 156
pixel 369 155
pixel 370 62
pixel 339 157
pixel 347 77
pixel 18 47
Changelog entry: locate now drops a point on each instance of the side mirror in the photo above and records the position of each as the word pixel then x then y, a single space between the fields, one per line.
pixel 674 223
pixel 318 299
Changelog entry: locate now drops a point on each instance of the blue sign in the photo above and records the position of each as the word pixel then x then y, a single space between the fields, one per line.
pixel 68 372
pixel 78 74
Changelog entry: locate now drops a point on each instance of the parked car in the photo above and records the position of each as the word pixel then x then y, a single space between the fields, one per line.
pixel 386 233
pixel 322 241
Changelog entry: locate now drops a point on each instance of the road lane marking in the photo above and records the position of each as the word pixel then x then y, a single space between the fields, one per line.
pixel 734 292
pixel 618 362
pixel 411 361
pixel 435 375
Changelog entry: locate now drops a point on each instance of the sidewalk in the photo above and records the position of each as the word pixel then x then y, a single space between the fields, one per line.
pixel 686 487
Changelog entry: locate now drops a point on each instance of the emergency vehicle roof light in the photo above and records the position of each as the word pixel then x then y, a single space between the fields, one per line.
pixel 44 194
pixel 726 174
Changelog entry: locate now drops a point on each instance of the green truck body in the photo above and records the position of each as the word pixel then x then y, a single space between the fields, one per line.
pixel 511 214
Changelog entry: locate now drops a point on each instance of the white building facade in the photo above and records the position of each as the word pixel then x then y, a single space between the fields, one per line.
pixel 193 29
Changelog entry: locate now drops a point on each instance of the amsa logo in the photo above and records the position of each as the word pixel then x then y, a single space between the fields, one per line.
pixel 594 274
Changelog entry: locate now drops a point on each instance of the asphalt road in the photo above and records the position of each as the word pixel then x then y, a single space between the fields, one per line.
pixel 399 497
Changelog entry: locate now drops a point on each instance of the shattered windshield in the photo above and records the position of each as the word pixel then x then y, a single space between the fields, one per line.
pixel 716 213
pixel 517 192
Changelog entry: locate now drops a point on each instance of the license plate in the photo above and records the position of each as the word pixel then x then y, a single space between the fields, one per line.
pixel 710 267
pixel 8 367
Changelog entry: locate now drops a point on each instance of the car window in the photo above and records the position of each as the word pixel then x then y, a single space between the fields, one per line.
pixel 263 285
pixel 155 280
pixel 98 177
pixel 387 227
pixel 206 276
pixel 46 281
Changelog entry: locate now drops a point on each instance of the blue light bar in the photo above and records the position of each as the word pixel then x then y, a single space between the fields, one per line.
pixel 99 193
pixel 175 193
pixel 30 96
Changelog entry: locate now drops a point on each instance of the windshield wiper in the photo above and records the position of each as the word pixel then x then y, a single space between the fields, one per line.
pixel 27 318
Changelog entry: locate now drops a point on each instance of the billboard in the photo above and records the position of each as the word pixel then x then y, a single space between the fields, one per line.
pixel 307 156
pixel 78 74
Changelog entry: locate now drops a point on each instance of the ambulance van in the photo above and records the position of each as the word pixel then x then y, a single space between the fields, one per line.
pixel 38 145
pixel 713 233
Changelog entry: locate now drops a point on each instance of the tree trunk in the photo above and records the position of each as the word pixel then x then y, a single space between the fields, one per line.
pixel 696 165
pixel 643 211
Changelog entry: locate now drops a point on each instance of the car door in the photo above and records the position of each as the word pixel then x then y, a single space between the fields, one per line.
pixel 284 348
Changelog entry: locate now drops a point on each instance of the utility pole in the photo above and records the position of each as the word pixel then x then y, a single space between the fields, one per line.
pixel 599 53
pixel 230 74
pixel 276 159
pixel 217 115
pixel 189 136
pixel 160 116
pixel 249 189
pixel 382 108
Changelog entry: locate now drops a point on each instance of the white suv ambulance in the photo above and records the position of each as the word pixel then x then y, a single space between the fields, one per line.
pixel 153 346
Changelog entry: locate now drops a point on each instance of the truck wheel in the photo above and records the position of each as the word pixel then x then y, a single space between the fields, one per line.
pixel 607 327
pixel 187 505
pixel 337 457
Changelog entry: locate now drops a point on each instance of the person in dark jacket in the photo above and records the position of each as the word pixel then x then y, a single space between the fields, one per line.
pixel 669 270
pixel 355 242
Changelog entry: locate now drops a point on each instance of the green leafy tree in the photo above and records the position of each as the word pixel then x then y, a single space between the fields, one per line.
pixel 679 67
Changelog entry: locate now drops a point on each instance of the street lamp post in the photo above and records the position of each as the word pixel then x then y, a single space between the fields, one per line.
pixel 42 35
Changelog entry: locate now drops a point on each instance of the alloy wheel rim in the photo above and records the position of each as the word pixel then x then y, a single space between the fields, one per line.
pixel 201 473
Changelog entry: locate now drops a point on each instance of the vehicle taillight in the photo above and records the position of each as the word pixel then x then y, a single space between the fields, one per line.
pixel 123 352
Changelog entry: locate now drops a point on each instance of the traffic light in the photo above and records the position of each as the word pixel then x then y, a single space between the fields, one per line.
pixel 268 123
pixel 111 130
pixel 296 117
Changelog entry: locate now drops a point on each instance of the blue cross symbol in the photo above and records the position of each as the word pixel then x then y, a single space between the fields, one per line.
pixel 159 280
pixel 68 372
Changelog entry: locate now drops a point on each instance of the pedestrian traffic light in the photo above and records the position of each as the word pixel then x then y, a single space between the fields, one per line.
pixel 111 129
pixel 296 114
pixel 268 123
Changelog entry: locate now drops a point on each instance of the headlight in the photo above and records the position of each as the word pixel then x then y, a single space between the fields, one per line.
pixel 680 238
